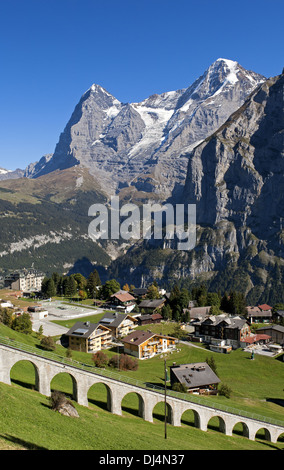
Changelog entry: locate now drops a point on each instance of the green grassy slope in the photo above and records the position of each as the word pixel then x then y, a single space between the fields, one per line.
pixel 26 420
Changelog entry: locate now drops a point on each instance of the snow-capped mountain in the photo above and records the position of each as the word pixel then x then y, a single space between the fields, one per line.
pixel 234 176
pixel 4 172
pixel 146 145
pixel 9 174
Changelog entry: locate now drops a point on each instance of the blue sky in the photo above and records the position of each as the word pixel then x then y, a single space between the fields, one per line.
pixel 52 51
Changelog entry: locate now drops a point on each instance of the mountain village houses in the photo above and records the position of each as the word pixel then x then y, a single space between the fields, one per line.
pixel 145 344
pixel 222 333
pixel 195 377
pixel 89 337
pixel 129 310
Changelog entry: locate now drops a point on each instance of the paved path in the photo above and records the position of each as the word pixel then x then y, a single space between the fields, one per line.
pixel 57 310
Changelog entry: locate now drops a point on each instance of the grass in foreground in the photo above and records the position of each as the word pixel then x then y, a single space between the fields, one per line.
pixel 257 385
pixel 27 422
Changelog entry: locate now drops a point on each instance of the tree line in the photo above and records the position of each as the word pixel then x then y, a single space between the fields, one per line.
pixel 179 299
pixel 176 307
pixel 75 285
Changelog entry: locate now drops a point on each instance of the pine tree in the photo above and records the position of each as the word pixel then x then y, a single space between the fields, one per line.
pixel 69 286
pixel 93 282
pixel 49 289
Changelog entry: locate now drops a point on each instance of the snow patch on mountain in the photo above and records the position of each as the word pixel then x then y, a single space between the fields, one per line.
pixel 155 120
pixel 122 143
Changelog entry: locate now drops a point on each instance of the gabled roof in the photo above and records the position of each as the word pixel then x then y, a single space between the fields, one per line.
pixel 255 338
pixel 137 337
pixel 195 375
pixel 228 322
pixel 156 316
pixel 151 303
pixel 264 307
pixel 84 329
pixel 253 310
pixel 114 319
pixel 150 316
pixel 147 316
pixel 199 311
pixel 139 291
pixel 279 328
pixel 123 296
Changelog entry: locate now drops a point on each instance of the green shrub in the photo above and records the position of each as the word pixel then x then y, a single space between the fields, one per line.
pixel 225 390
pixel 47 343
pixel 178 387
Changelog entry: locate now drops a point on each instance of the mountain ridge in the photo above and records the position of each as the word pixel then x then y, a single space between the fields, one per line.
pixel 234 175
pixel 124 144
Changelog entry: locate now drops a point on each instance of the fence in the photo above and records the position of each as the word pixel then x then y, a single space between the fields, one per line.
pixel 207 402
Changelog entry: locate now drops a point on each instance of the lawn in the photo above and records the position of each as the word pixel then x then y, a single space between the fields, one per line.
pixel 27 422
pixel 257 386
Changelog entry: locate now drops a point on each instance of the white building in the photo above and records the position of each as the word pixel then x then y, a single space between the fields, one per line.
pixel 26 280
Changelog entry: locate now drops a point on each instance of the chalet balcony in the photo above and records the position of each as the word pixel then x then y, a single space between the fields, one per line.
pixel 151 343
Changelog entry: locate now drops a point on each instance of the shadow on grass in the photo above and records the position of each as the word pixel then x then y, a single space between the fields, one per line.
pixel 26 444
pixel 277 401
pixel 23 384
pixel 98 403
pixel 132 411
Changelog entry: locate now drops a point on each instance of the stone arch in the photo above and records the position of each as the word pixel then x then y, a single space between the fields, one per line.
pixel 63 386
pixel 98 399
pixel 262 431
pixel 130 403
pixel 221 426
pixel 280 438
pixel 158 411
pixel 190 417
pixel 241 428
pixel 35 372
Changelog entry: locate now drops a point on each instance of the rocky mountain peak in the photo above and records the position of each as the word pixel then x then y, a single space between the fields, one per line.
pixel 238 168
pixel 128 144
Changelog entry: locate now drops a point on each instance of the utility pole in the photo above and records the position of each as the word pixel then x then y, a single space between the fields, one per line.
pixel 165 399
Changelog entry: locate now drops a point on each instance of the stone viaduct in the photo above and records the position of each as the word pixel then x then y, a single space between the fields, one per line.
pixel 46 369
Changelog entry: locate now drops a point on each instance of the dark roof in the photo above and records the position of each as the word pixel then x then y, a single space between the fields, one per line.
pixel 113 319
pixel 272 327
pixel 145 317
pixel 151 303
pixel 195 375
pixel 137 337
pixel 139 291
pixel 83 329
pixel 229 322
pixel 150 316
